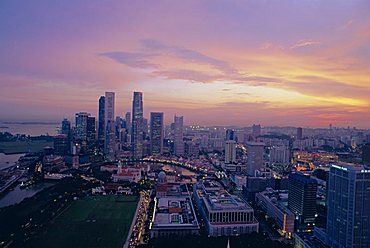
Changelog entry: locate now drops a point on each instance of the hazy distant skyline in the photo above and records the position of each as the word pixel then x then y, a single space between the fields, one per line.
pixel 289 63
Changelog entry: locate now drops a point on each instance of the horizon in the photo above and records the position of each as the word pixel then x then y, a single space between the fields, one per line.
pixel 213 62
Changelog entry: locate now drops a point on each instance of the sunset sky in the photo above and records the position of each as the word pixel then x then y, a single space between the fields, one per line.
pixel 230 62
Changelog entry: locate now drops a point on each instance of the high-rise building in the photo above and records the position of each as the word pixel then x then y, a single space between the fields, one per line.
pixel 156 133
pixel 128 122
pixel 302 199
pixel 348 203
pixel 366 154
pixel 61 145
pixel 279 155
pixel 67 132
pixel 230 134
pixel 81 126
pixel 101 117
pixel 230 152
pixel 109 135
pixel 299 133
pixel 66 127
pixel 179 135
pixel 256 130
pixel 255 152
pixel 137 125
pixel 91 130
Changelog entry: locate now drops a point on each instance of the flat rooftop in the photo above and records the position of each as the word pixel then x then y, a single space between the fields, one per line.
pixel 174 212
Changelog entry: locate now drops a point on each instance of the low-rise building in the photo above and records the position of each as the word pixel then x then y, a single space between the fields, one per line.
pixel 272 201
pixel 174 216
pixel 224 214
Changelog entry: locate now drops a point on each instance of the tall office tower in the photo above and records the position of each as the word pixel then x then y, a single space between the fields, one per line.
pixel 279 155
pixel 109 134
pixel 230 152
pixel 302 199
pixel 137 125
pixel 66 127
pixel 255 152
pixel 230 134
pixel 366 154
pixel 128 122
pixel 156 133
pixel 61 145
pixel 91 130
pixel 179 136
pixel 101 117
pixel 145 127
pixel 348 203
pixel 299 133
pixel 256 130
pixel 81 126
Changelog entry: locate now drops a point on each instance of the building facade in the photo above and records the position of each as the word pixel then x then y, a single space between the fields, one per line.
pixel 224 214
pixel 109 138
pixel 156 133
pixel 348 203
pixel 179 147
pixel 255 157
pixel 137 125
pixel 302 199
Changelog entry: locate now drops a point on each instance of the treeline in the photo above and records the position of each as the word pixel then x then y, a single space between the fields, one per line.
pixel 8 137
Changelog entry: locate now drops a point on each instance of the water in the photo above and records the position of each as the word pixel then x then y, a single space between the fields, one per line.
pixel 17 195
pixel 7 160
pixel 30 129
pixel 178 170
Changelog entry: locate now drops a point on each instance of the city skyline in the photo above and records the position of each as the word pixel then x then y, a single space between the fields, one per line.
pixel 252 62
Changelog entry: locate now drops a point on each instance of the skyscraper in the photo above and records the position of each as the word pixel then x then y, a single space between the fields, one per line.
pixel 279 155
pixel 366 154
pixel 255 152
pixel 179 135
pixel 66 127
pixel 137 125
pixel 109 134
pixel 299 133
pixel 81 126
pixel 156 133
pixel 230 152
pixel 101 117
pixel 128 122
pixel 302 199
pixel 348 203
pixel 230 134
pixel 256 130
pixel 91 130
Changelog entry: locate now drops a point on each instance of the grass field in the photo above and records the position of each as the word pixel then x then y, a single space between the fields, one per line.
pixel 13 147
pixel 99 221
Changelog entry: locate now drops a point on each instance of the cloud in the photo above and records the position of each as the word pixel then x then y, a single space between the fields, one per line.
pixel 305 43
pixel 135 60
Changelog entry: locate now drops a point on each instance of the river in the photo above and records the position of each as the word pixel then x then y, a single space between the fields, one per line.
pixel 7 160
pixel 17 195
pixel 178 170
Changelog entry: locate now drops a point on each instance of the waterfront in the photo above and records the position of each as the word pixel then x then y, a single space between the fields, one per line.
pixel 8 160
pixel 17 194
pixel 178 170
pixel 32 129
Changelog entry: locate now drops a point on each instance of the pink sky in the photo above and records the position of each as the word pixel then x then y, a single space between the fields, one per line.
pixel 290 62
